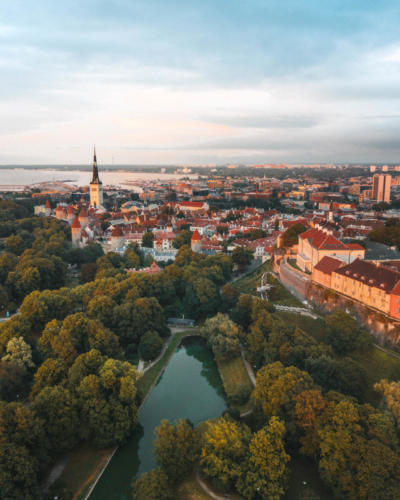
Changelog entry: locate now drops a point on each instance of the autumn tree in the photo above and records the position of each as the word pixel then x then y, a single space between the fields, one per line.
pixel 276 387
pixel 153 485
pixel 19 353
pixel 266 466
pixel 59 410
pixel 176 448
pixel 391 396
pixel 309 406
pixel 224 450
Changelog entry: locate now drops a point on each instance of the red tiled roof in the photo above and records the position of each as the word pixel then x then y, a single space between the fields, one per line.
pixel 48 203
pixel 372 275
pixel 76 224
pixel 328 264
pixel 354 246
pixel 193 204
pixel 116 232
pixel 196 236
pixel 322 241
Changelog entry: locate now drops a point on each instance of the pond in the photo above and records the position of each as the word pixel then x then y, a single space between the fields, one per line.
pixel 190 387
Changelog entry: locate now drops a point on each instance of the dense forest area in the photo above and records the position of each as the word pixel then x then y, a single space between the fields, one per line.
pixel 311 401
pixel 65 374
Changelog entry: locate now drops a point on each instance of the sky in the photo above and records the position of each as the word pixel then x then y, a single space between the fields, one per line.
pixel 199 82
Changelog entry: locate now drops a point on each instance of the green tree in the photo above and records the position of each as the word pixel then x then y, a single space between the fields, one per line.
pixel 266 467
pixel 147 239
pixel 59 410
pixel 150 345
pixel 183 239
pixel 152 485
pixel 291 236
pixel 176 449
pixel 222 335
pixel 242 257
pixel 106 393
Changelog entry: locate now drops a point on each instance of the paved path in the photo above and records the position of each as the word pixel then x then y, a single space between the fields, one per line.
pixel 207 490
pixel 249 368
pixel 296 310
pixel 174 331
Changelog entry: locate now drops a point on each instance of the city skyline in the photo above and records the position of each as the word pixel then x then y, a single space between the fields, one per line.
pixel 177 82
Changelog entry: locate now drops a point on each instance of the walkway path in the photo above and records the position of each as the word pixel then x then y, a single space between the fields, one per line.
pixel 249 368
pixel 207 490
pixel 174 331
pixel 296 310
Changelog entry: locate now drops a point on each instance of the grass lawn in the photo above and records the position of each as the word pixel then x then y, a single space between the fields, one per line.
pixel 191 490
pixel 315 327
pixel 86 461
pixel 234 375
pixel 82 467
pixel 249 283
pixel 378 365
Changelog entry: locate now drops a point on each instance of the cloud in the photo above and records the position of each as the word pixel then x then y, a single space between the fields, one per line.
pixel 283 78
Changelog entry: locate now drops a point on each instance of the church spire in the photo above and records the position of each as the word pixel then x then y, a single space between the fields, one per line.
pixel 95 169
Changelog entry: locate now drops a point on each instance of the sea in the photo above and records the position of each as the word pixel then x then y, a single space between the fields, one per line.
pixel 18 179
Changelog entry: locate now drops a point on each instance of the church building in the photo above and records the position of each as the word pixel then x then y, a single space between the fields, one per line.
pixel 96 186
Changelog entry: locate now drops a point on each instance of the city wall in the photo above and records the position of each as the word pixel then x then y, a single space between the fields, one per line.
pixel 385 329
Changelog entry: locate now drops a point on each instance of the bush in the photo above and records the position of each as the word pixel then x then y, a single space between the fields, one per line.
pixel 150 345
pixel 239 395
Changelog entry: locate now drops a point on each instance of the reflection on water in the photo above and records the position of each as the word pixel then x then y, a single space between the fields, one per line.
pixel 189 388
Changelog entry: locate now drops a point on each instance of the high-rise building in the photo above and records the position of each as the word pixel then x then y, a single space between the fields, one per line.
pixel 96 186
pixel 381 187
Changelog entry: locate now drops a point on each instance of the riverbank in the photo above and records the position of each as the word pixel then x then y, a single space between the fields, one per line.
pixel 86 463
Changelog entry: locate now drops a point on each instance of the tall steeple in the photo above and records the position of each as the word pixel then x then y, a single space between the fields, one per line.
pixel 95 177
pixel 96 186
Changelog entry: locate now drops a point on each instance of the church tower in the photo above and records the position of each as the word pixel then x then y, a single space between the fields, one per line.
pixel 96 186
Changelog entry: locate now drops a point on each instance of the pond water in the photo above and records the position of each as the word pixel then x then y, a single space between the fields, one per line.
pixel 190 387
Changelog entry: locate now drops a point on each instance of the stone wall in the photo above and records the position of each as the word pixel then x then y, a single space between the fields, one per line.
pixel 385 330
pixel 294 280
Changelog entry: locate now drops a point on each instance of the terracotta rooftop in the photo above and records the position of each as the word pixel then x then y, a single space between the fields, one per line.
pixel 116 232
pixel 371 274
pixel 324 241
pixel 76 224
pixel 196 236
pixel 328 264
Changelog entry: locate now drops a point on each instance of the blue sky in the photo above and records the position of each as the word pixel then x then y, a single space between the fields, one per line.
pixel 187 82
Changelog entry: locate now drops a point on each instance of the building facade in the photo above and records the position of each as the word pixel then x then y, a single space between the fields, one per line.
pixel 381 185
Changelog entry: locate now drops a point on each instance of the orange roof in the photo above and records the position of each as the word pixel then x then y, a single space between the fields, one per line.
pixel 70 210
pixel 116 232
pixel 328 264
pixel 48 203
pixel 76 224
pixel 372 275
pixel 196 236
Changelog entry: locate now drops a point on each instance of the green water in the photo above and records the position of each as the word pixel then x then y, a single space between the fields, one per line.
pixel 189 388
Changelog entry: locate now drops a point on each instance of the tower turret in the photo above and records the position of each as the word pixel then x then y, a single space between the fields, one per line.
pixel 96 186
